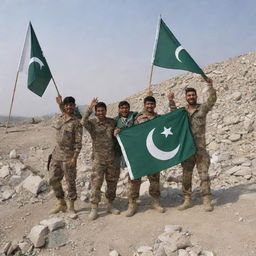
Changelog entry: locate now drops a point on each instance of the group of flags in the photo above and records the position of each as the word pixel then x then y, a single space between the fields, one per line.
pixel 151 146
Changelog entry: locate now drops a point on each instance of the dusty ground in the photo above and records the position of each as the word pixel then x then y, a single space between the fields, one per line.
pixel 228 231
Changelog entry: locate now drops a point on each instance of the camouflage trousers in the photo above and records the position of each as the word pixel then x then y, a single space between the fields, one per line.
pixel 202 161
pixel 109 170
pixel 59 169
pixel 154 187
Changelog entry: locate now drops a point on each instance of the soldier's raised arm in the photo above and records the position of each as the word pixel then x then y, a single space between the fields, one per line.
pixel 86 123
pixel 172 104
pixel 212 96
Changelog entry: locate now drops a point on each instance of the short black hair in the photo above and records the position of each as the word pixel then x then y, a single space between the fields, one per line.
pixel 150 99
pixel 190 89
pixel 123 103
pixel 68 100
pixel 100 105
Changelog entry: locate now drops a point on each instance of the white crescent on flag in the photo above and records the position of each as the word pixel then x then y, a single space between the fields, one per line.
pixel 35 59
pixel 156 152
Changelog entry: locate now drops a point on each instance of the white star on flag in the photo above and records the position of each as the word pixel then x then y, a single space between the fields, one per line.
pixel 167 132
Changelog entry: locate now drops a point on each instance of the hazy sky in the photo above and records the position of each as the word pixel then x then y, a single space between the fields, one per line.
pixel 103 47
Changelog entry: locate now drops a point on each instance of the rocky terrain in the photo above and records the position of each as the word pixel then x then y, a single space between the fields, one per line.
pixel 25 197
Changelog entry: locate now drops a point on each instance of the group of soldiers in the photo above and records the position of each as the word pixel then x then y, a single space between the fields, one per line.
pixel 107 156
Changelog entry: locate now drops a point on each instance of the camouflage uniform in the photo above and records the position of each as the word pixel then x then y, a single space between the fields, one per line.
pixel 103 144
pixel 154 179
pixel 69 144
pixel 122 123
pixel 201 159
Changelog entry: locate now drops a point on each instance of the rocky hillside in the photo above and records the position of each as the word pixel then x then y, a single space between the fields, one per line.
pixel 231 141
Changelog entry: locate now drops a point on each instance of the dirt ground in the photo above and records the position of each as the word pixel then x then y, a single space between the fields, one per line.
pixel 230 230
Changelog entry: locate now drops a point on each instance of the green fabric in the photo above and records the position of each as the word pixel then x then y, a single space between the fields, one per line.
pixel 39 74
pixel 165 53
pixel 127 122
pixel 146 150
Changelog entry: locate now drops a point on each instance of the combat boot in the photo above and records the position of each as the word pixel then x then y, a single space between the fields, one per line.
pixel 71 206
pixel 132 208
pixel 94 212
pixel 208 207
pixel 111 209
pixel 186 204
pixel 61 206
pixel 156 205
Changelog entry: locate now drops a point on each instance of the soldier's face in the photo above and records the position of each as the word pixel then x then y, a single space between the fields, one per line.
pixel 191 98
pixel 69 108
pixel 149 106
pixel 101 112
pixel 124 110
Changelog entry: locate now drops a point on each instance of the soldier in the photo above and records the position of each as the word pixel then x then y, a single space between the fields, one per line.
pixel 124 119
pixel 154 179
pixel 61 106
pixel 101 129
pixel 197 118
pixel 64 156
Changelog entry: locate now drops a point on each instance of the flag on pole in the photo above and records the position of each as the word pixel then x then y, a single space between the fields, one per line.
pixel 34 64
pixel 168 52
pixel 157 144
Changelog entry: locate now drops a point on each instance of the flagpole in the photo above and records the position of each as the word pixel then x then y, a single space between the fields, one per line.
pixel 10 111
pixel 55 86
pixel 154 52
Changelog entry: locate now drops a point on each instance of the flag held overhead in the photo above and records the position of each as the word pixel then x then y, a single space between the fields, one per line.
pixel 169 53
pixel 34 64
pixel 157 144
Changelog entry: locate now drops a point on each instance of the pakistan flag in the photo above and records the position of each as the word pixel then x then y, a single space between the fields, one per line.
pixel 170 54
pixel 157 144
pixel 34 64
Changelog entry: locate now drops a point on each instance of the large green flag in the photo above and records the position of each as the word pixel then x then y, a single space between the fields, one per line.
pixel 157 144
pixel 170 54
pixel 34 63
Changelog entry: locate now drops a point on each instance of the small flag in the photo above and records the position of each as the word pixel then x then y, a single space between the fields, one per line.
pixel 34 64
pixel 157 144
pixel 169 53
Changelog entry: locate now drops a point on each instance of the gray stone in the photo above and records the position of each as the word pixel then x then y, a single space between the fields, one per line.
pixel 144 249
pixel 164 237
pixel 13 248
pixel 57 238
pixel 4 171
pixel 37 235
pixel 6 247
pixel 206 253
pixel 53 223
pixel 233 170
pixel 239 160
pixel 18 167
pixel 160 250
pixel 182 252
pixel 183 242
pixel 25 247
pixel 8 193
pixel 34 184
pixel 114 253
pixel 235 137
pixel 243 171
pixel 236 96
pixel 147 254
pixel 172 228
pixel 170 249
pixel 13 154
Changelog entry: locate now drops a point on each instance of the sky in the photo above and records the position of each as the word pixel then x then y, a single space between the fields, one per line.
pixel 103 48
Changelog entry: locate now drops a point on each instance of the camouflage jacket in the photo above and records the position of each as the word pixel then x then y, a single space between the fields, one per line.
pixel 122 122
pixel 142 117
pixel 68 137
pixel 197 118
pixel 102 134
